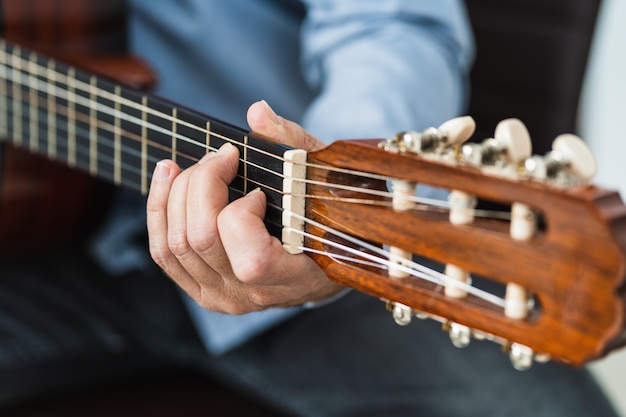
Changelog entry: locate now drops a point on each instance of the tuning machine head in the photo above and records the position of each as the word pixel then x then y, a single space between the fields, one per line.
pixel 570 162
pixel 510 143
pixel 432 140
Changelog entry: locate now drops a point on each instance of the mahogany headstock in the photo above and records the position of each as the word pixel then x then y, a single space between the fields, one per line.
pixel 555 250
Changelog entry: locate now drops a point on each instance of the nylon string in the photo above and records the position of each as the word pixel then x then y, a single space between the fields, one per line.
pixel 25 79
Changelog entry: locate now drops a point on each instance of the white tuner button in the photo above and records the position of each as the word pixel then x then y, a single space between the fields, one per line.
pixel 513 136
pixel 578 157
pixel 457 130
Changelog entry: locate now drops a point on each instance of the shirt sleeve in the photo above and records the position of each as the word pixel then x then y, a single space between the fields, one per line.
pixel 384 66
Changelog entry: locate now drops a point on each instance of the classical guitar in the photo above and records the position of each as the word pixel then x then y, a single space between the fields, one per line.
pixel 555 253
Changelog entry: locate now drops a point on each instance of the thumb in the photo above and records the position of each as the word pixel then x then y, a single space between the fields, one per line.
pixel 265 122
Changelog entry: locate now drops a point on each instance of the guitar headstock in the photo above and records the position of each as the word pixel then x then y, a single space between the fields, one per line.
pixel 539 268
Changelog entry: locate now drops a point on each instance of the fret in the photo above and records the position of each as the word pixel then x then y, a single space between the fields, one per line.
pixel 117 140
pixel 208 137
pixel 93 126
pixel 52 113
pixel 17 132
pixel 174 156
pixel 71 117
pixel 4 92
pixel 33 108
pixel 244 155
pixel 144 146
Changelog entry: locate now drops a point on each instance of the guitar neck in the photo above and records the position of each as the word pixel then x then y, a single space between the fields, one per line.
pixel 117 133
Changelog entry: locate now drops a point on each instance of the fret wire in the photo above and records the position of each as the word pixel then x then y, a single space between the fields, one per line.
pixel 33 114
pixel 208 136
pixel 107 95
pixel 93 126
pixel 245 165
pixel 17 101
pixel 117 141
pixel 144 148
pixel 71 120
pixel 4 103
pixel 174 113
pixel 52 112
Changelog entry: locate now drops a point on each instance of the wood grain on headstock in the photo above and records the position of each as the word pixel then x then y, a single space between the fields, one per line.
pixel 575 267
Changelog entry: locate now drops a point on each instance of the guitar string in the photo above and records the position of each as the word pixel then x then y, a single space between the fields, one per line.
pixel 33 67
pixel 34 83
pixel 411 268
pixel 421 202
pixel 30 84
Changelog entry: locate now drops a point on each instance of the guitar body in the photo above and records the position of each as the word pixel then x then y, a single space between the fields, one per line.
pixel 43 203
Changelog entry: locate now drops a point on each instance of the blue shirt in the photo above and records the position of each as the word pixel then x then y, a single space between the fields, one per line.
pixel 342 69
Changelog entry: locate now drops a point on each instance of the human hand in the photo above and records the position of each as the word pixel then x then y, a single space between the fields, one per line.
pixel 220 253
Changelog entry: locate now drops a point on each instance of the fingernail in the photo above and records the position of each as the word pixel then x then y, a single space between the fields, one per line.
pixel 206 157
pixel 225 148
pixel 272 115
pixel 161 171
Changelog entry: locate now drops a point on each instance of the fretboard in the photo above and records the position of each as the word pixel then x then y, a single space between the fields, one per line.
pixel 118 134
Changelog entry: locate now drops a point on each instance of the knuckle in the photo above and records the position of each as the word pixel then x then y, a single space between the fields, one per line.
pixel 202 240
pixel 262 299
pixel 224 305
pixel 161 256
pixel 178 245
pixel 251 270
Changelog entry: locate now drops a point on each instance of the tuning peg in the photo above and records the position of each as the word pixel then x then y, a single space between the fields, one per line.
pixel 514 139
pixel 575 155
pixel 401 314
pixel 569 161
pixel 460 335
pixel 452 132
pixel 511 143
pixel 456 131
pixel 521 356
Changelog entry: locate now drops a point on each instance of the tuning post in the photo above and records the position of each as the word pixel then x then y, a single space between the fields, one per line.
pixel 401 314
pixel 521 356
pixel 460 335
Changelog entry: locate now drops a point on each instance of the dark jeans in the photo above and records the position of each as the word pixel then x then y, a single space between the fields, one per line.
pixel 64 323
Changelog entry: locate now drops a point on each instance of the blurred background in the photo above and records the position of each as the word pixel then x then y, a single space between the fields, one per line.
pixel 602 114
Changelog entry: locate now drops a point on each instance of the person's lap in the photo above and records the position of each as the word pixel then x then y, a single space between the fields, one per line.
pixel 350 359
pixel 58 312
